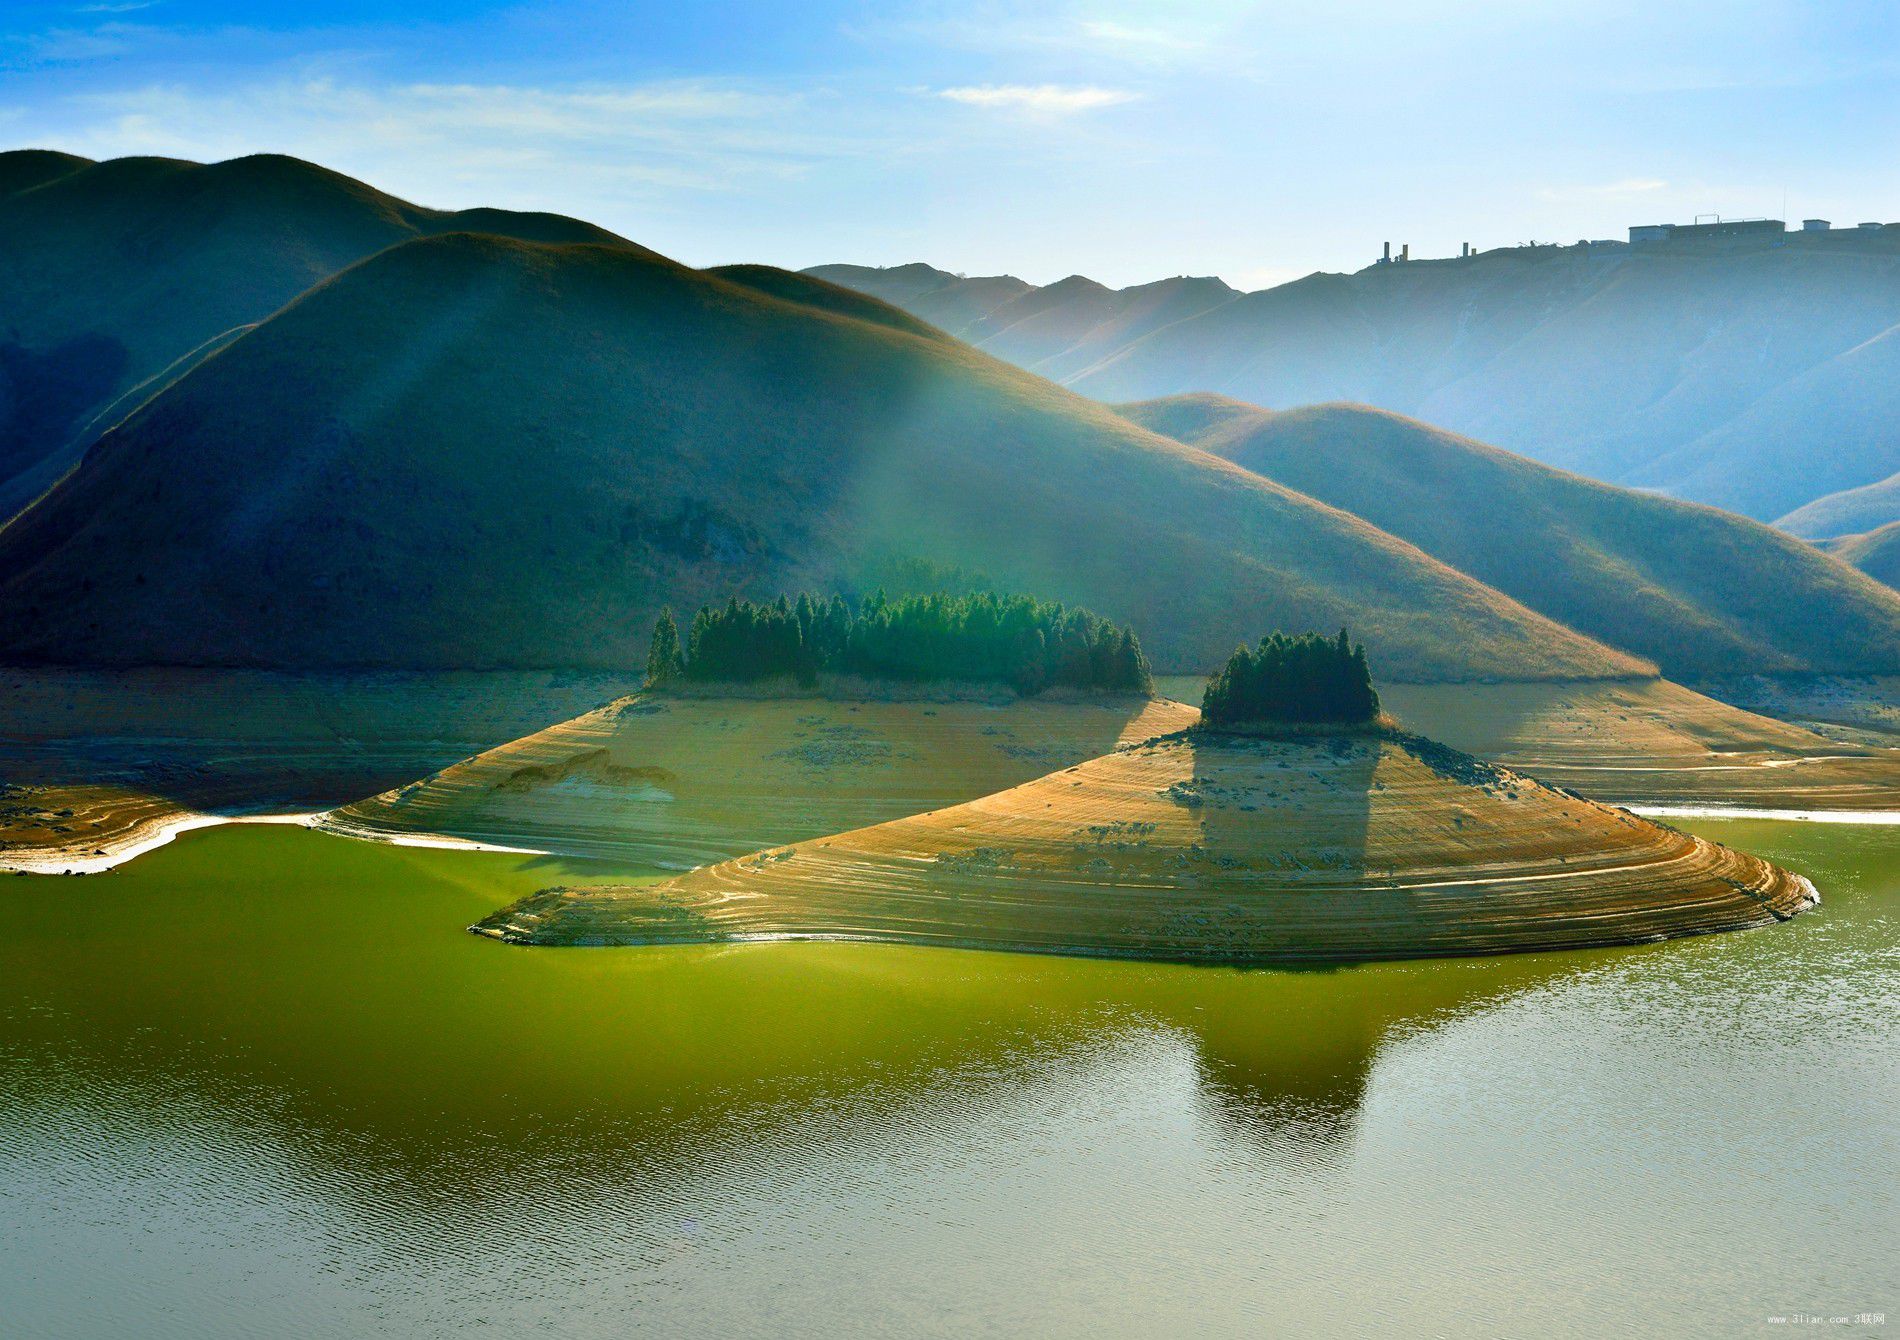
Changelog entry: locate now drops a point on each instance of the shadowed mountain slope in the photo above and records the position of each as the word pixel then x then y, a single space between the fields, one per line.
pixel 114 276
pixel 472 452
pixel 1849 512
pixel 23 169
pixel 1696 590
pixel 1877 553
pixel 1753 377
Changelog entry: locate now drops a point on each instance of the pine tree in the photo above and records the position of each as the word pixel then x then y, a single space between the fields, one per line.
pixel 1308 678
pixel 664 663
pixel 980 637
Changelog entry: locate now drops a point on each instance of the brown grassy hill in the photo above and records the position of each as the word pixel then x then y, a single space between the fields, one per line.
pixel 113 273
pixel 1849 512
pixel 1216 848
pixel 472 452
pixel 1876 553
pixel 1696 590
pixel 809 292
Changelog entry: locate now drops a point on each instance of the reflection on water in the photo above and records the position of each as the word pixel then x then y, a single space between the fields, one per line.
pixel 260 1083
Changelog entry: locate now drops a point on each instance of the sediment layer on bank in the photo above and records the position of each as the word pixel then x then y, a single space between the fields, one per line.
pixel 99 765
pixel 673 781
pixel 1200 847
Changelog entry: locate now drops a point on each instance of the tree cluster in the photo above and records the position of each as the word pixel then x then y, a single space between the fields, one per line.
pixel 983 638
pixel 1308 678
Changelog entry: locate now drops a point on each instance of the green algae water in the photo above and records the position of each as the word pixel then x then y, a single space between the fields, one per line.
pixel 260 1083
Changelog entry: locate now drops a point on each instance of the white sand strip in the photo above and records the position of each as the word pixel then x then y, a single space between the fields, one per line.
pixel 1875 817
pixel 57 863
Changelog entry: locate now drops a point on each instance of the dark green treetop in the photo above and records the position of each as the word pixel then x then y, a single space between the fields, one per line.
pixel 1293 679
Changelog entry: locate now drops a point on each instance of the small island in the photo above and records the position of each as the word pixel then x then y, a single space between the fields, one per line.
pixel 1292 822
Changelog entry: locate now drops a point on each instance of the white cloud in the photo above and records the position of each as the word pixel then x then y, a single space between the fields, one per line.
pixel 64 45
pixel 1147 38
pixel 1042 99
pixel 692 134
pixel 1151 37
pixel 1613 190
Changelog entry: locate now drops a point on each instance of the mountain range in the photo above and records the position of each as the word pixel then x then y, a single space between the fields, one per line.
pixel 1755 377
pixel 475 451
pixel 1693 588
pixel 484 439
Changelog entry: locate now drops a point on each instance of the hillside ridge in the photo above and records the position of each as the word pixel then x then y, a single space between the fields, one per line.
pixel 690 436
pixel 1695 589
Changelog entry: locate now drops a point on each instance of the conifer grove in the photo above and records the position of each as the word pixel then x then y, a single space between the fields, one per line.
pixel 1308 678
pixel 1016 640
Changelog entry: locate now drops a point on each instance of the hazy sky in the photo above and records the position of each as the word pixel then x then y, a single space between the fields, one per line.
pixel 1127 141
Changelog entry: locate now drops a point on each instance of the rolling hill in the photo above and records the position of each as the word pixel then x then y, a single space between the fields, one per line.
pixel 477 452
pixel 1849 512
pixel 1056 331
pixel 1697 590
pixel 1755 378
pixel 116 277
pixel 1876 553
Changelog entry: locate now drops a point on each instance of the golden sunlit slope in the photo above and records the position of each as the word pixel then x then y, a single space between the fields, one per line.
pixel 1215 848
pixel 471 452
pixel 1700 592
pixel 1655 743
pixel 810 292
pixel 1830 746
pixel 672 781
pixel 112 273
pixel 1876 553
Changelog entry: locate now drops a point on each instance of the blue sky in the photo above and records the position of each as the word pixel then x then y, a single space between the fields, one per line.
pixel 1127 141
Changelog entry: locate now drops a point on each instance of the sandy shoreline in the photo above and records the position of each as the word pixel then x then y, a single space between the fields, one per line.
pixel 54 863
pixel 1876 818
pixel 1214 848
pixel 95 863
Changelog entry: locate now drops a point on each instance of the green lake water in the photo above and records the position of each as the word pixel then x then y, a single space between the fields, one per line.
pixel 260 1083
